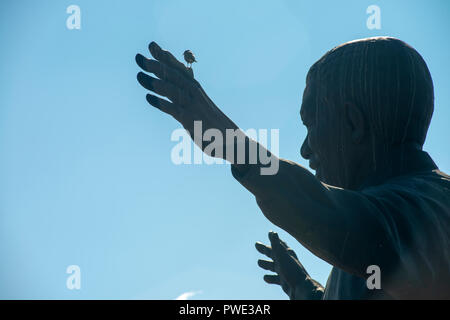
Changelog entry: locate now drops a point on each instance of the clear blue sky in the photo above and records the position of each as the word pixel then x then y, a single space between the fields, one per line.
pixel 85 170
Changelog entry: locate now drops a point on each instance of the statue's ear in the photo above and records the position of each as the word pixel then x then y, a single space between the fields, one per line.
pixel 355 121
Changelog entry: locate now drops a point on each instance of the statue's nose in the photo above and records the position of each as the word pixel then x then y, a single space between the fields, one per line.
pixel 305 150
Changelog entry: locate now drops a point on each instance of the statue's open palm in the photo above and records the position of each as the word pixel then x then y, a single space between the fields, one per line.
pixel 290 273
pixel 188 101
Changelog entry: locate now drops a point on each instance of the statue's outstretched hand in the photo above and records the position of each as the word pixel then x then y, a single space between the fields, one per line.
pixel 290 273
pixel 188 101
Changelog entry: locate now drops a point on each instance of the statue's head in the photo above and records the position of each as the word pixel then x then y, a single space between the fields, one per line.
pixel 362 100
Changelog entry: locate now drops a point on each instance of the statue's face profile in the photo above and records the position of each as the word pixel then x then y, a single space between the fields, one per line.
pixel 330 144
pixel 314 147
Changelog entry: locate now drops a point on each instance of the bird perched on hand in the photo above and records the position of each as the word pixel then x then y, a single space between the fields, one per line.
pixel 189 57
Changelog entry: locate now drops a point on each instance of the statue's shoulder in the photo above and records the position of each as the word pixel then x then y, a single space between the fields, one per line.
pixel 442 175
pixel 428 177
pixel 416 187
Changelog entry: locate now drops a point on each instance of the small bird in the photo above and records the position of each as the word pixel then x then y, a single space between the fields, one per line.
pixel 189 57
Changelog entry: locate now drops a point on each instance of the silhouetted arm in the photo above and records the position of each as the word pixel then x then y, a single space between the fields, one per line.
pixel 401 226
pixel 342 227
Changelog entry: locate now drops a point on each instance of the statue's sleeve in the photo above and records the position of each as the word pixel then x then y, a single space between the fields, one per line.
pixel 390 226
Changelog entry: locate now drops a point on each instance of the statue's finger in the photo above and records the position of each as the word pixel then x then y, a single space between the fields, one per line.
pixel 292 253
pixel 161 87
pixel 267 265
pixel 164 72
pixel 279 251
pixel 167 58
pixel 281 247
pixel 284 244
pixel 164 105
pixel 272 279
pixel 273 236
pixel 262 248
pixel 275 240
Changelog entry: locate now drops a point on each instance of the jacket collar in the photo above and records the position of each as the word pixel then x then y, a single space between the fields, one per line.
pixel 404 160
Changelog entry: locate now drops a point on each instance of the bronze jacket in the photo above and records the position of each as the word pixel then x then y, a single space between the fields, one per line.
pixel 399 222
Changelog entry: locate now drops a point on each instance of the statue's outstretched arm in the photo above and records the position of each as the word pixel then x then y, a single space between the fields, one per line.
pixel 344 228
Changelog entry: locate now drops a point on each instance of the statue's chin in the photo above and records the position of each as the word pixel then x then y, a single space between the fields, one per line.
pixel 318 175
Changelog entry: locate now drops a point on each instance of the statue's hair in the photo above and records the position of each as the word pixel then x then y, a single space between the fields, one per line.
pixel 387 79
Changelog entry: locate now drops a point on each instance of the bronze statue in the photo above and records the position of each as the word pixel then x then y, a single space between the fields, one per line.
pixel 376 197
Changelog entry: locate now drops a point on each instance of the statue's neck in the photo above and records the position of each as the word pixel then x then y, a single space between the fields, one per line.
pixel 396 161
